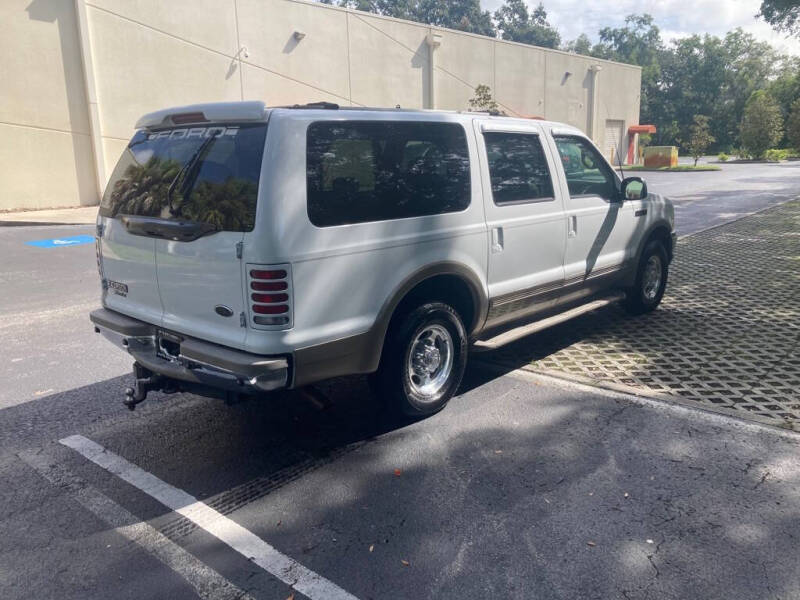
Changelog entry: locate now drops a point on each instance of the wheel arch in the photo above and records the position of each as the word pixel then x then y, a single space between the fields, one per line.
pixel 450 282
pixel 661 231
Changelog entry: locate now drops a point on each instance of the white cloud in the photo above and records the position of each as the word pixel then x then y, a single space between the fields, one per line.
pixel 675 18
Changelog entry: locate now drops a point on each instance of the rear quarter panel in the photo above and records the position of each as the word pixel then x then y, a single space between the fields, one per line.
pixel 343 275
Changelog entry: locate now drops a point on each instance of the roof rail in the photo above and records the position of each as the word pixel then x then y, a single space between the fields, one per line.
pixel 324 105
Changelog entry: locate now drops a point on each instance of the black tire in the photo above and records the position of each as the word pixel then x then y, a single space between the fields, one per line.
pixel 394 380
pixel 644 297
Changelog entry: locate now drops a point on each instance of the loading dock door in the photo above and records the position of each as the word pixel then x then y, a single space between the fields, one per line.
pixel 614 146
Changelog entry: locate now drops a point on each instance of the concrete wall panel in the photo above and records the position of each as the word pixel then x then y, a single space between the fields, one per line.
pixel 275 90
pixel 209 23
pixel 40 66
pixel 519 79
pixel 41 168
pixel 139 70
pixel 388 62
pixel 462 63
pixel 567 89
pixel 266 28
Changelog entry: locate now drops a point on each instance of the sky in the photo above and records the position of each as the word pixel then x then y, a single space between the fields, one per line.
pixel 675 18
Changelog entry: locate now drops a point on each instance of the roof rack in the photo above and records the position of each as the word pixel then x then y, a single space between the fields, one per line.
pixel 311 105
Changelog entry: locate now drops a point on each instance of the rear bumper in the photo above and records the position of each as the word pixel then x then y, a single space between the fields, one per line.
pixel 188 359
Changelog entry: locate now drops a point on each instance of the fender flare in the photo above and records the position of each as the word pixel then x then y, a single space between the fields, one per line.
pixel 480 298
pixel 660 224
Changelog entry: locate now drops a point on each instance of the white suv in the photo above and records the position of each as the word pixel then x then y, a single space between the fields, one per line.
pixel 243 248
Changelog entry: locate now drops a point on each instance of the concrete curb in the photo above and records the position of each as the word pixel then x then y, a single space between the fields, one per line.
pixel 81 215
pixel 632 393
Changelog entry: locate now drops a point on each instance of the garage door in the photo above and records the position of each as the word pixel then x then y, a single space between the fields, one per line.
pixel 614 145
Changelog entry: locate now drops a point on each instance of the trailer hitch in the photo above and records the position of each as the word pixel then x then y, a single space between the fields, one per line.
pixel 144 381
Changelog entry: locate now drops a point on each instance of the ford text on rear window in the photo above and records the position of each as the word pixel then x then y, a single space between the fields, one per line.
pixel 197 174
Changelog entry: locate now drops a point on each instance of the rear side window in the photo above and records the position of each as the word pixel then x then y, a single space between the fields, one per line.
pixel 361 171
pixel 517 168
pixel 199 174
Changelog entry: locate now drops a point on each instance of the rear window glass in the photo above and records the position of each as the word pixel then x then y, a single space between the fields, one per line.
pixel 362 171
pixel 199 174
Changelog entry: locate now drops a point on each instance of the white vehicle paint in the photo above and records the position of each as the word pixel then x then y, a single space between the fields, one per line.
pixel 360 217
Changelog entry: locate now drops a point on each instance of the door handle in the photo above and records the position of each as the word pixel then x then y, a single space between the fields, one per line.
pixel 497 239
pixel 573 226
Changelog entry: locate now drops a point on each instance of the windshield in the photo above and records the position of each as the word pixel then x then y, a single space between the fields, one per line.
pixel 199 174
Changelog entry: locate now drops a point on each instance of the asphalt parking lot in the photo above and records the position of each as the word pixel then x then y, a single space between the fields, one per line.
pixel 525 486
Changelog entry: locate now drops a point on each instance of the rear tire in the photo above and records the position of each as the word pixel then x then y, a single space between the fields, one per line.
pixel 651 280
pixel 423 361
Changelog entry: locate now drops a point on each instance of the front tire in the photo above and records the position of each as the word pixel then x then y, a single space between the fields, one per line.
pixel 651 280
pixel 423 360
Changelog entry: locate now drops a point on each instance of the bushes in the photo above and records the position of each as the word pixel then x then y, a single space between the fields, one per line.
pixel 722 157
pixel 776 155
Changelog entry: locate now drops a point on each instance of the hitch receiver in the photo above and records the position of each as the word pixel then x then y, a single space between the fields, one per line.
pixel 144 381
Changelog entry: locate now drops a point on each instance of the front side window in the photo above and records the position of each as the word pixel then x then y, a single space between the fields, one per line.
pixel 361 171
pixel 517 168
pixel 586 171
pixel 198 174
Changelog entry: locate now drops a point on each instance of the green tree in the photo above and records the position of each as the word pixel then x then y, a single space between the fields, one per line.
pixel 637 43
pixel 793 126
pixel 483 99
pixel 580 45
pixel 518 25
pixel 464 15
pixel 710 76
pixel 783 15
pixel 700 137
pixel 762 125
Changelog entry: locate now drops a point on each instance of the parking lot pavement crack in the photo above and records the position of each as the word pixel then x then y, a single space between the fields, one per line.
pixel 764 477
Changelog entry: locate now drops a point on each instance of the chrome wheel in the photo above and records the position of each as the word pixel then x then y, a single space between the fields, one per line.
pixel 651 278
pixel 430 361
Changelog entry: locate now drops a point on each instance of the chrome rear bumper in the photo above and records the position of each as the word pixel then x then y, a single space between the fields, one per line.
pixel 184 358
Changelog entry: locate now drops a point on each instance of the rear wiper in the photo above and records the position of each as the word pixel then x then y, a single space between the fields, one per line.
pixel 179 231
pixel 188 165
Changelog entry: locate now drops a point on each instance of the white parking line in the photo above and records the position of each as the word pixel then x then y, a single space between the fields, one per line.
pixel 228 531
pixel 207 583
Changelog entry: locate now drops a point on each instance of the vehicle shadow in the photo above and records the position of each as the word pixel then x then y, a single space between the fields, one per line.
pixel 546 492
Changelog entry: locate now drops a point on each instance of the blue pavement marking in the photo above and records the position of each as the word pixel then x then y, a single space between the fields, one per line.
pixel 73 240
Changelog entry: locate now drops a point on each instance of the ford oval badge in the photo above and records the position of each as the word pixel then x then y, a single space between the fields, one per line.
pixel 223 311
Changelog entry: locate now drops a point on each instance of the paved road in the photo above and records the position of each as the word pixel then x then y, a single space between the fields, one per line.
pixel 517 490
pixel 706 199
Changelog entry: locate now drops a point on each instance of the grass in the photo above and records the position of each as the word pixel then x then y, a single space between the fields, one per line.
pixel 678 169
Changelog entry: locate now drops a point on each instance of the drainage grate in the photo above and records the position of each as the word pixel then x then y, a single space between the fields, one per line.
pixel 727 333
pixel 229 501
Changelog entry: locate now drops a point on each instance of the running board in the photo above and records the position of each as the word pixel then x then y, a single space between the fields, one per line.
pixel 517 333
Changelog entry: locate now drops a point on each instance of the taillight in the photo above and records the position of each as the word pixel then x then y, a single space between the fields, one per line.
pixel 258 274
pixel 269 298
pixel 268 286
pixel 271 310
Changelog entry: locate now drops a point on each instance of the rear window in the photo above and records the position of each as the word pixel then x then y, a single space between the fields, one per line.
pixel 362 171
pixel 199 174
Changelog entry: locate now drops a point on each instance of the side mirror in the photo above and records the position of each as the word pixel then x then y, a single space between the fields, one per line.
pixel 633 188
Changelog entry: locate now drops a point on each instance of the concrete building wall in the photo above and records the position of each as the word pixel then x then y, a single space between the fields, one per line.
pixel 148 54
